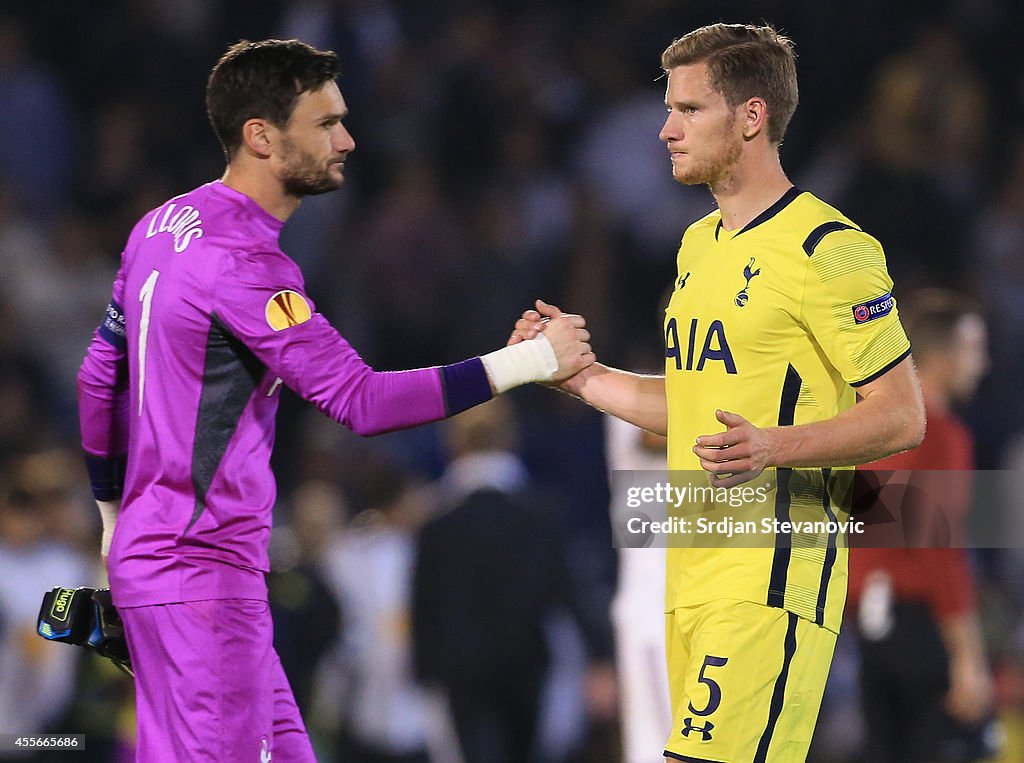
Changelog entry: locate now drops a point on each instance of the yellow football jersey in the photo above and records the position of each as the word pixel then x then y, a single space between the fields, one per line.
pixel 778 322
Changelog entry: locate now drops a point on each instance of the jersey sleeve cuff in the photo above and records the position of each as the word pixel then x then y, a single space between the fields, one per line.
pixel 106 476
pixel 884 369
pixel 464 385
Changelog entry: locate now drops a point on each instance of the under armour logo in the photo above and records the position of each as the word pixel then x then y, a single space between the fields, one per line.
pixel 682 280
pixel 705 730
pixel 265 755
pixel 748 273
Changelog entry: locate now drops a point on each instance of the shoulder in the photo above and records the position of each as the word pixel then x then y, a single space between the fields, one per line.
pixel 823 228
pixel 706 225
pixel 260 265
pixel 181 219
pixel 254 285
pixel 701 232
pixel 833 244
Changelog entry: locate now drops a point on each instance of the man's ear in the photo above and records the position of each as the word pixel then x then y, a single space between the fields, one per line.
pixel 754 116
pixel 258 137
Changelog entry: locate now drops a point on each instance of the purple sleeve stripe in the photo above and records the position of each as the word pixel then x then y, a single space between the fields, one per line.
pixel 464 385
pixel 106 476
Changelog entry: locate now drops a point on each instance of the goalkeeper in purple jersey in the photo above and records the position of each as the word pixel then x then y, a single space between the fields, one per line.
pixel 178 394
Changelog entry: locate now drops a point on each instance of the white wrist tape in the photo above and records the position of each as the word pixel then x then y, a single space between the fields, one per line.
pixel 528 361
pixel 108 513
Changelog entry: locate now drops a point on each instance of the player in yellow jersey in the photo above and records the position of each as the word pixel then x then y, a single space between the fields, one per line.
pixel 782 318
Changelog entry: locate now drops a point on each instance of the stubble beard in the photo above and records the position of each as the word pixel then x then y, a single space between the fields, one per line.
pixel 304 176
pixel 716 168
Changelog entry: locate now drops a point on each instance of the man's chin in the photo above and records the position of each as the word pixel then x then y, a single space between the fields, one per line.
pixel 688 178
pixel 314 189
pixel 331 184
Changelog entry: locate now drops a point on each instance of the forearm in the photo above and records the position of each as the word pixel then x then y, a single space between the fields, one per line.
pixel 103 421
pixel 870 430
pixel 103 400
pixel 889 418
pixel 324 369
pixel 635 398
pixel 390 400
pixel 385 401
pixel 393 400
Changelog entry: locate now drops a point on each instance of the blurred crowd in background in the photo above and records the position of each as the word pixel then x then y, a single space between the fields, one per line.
pixel 506 150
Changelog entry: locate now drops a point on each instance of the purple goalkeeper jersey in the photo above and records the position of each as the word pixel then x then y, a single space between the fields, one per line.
pixel 208 318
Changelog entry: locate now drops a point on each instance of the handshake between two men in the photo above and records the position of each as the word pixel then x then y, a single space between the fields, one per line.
pixel 733 456
pixel 567 334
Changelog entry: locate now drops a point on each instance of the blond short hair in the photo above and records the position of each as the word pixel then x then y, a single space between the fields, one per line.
pixel 743 62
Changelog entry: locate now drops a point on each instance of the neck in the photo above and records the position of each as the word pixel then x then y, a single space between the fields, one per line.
pixel 264 190
pixel 753 184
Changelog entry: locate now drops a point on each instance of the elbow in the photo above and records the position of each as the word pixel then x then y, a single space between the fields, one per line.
pixel 913 430
pixel 363 421
pixel 348 406
pixel 919 424
pixel 916 420
pixel 86 376
pixel 366 429
pixel 919 431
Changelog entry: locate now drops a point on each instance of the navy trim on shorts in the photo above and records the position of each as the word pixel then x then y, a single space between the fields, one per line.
pixel 830 553
pixel 689 758
pixel 779 692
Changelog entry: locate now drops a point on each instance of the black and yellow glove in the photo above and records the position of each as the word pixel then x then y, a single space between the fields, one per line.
pixel 85 617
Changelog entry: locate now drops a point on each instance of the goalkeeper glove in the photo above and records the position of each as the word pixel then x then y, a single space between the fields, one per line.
pixel 85 617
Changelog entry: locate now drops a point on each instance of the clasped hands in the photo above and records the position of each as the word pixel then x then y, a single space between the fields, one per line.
pixel 737 455
pixel 567 334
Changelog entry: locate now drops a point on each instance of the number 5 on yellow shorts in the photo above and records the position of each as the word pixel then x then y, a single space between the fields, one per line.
pixel 746 682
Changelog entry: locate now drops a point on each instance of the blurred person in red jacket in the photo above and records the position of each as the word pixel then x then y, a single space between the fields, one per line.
pixel 923 669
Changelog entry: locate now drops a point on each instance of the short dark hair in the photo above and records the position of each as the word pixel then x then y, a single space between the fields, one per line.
pixel 262 80
pixel 743 62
